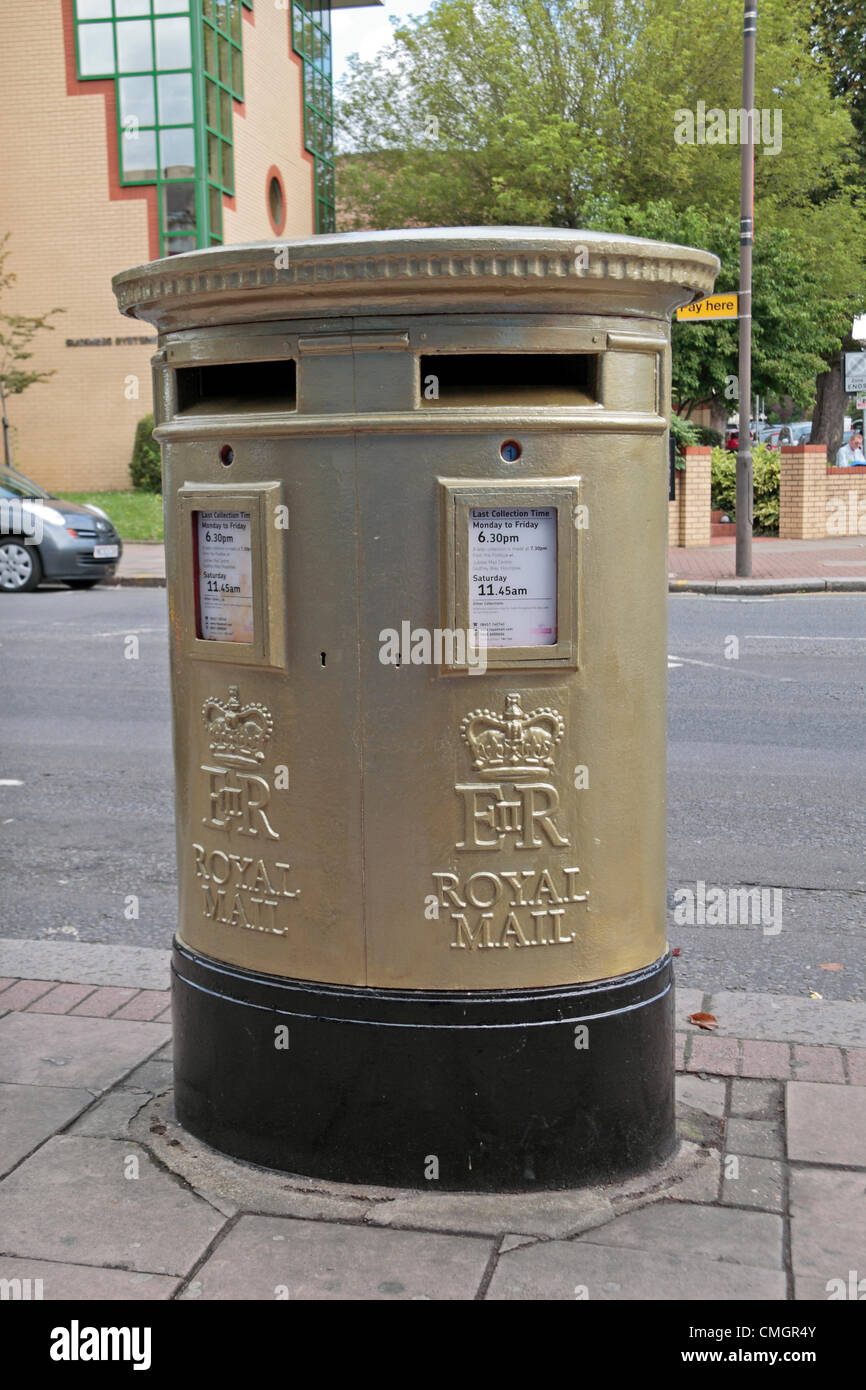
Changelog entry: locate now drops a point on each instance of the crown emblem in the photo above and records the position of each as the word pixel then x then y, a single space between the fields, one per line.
pixel 512 744
pixel 239 733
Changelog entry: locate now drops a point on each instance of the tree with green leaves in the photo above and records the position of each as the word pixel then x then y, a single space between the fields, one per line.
pixel 799 313
pixel 560 113
pixel 17 332
pixel 839 29
pixel 520 111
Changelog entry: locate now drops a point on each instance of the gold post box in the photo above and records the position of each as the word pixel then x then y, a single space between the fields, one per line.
pixel 416 497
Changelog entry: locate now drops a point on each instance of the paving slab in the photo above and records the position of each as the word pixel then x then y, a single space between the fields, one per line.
pixel 155 1075
pixel 86 1282
pixel 765 1059
pixel 700 1129
pixel 828 1223
pixel 270 1257
pixel 781 1018
pixel 701 1094
pixel 104 1001
pixel 146 1006
pixel 810 1063
pixel 760 1138
pixel 757 1100
pixel 58 1050
pixel 718 1055
pixel 854 1057
pixel 711 1233
pixel 25 993
pixel 141 561
pixel 515 1242
pixel 526 1213
pixel 701 1184
pixel 110 1118
pixel 73 1201
pixel 758 1183
pixel 86 963
pixel 826 1123
pixel 696 1120
pixel 31 1114
pixel 60 999
pixel 688 1001
pixel 850 1289
pixel 556 1270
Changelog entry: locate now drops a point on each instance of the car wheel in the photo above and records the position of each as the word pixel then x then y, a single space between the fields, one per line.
pixel 82 583
pixel 20 567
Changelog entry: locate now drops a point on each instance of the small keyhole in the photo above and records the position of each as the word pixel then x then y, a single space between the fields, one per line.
pixel 324 658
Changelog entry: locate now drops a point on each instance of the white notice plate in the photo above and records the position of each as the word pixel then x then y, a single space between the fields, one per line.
pixel 225 576
pixel 512 575
pixel 105 552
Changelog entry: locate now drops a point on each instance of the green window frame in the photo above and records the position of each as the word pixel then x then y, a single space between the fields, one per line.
pixel 222 84
pixel 177 67
pixel 311 40
pixel 147 47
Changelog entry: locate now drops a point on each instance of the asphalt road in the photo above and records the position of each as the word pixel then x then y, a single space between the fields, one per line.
pixel 767 779
pixel 767 786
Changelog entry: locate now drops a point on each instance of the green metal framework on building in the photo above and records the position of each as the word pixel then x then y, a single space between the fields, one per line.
pixel 311 40
pixel 178 68
pixel 222 66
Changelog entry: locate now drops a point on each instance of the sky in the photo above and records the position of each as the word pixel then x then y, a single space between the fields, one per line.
pixel 367 31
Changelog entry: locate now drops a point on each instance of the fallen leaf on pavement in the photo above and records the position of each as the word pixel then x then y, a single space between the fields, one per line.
pixel 813 994
pixel 832 965
pixel 705 1021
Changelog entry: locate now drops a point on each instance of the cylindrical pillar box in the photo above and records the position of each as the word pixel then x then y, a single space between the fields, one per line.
pixel 415 493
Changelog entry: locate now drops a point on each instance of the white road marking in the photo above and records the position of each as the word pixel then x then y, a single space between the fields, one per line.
pixel 128 632
pixel 10 782
pixel 78 633
pixel 693 661
pixel 731 667
pixel 796 637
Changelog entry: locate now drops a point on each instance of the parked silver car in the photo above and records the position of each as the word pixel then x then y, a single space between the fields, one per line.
pixel 43 537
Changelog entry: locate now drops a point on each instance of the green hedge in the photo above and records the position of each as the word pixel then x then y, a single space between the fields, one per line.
pixel 146 465
pixel 766 469
pixel 684 433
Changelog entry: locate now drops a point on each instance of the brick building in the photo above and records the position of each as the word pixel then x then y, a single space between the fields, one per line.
pixel 134 129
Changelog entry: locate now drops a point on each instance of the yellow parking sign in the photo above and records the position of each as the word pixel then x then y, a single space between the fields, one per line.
pixel 716 306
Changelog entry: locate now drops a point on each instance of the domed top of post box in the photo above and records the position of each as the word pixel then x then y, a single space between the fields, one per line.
pixel 418 270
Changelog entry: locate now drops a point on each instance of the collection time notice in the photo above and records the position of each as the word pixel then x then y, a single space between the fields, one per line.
pixel 512 575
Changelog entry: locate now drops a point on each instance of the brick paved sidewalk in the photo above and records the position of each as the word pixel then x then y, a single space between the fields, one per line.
pixel 142 563
pixel 835 559
pixel 832 560
pixel 103 1196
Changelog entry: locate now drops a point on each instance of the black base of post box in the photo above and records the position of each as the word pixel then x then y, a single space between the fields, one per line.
pixel 488 1090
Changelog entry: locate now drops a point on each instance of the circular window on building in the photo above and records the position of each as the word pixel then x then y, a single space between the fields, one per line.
pixel 276 200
